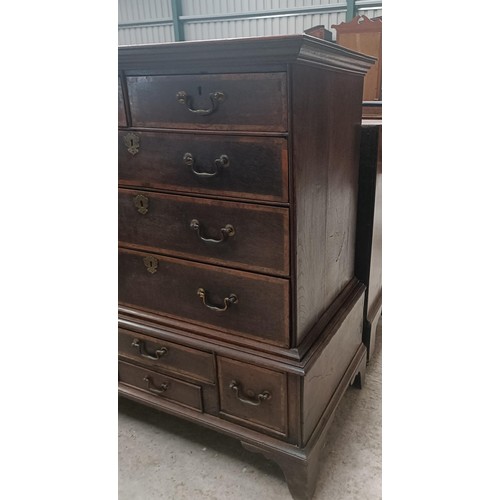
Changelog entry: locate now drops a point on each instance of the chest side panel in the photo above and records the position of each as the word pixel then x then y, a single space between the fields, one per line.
pixel 325 153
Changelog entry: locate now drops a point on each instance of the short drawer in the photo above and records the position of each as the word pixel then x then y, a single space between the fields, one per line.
pixel 243 167
pixel 249 102
pixel 252 395
pixel 249 305
pixel 243 235
pixel 162 386
pixel 189 362
pixel 122 120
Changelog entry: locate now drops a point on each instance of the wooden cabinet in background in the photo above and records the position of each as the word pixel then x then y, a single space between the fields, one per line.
pixel 365 35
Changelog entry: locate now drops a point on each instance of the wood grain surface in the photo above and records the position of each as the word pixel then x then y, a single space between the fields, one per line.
pixel 257 170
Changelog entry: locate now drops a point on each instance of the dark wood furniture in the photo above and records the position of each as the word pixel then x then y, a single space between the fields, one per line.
pixel 319 31
pixel 365 35
pixel 369 227
pixel 239 308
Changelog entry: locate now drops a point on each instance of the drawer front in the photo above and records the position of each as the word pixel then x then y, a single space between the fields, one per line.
pixel 159 385
pixel 167 355
pixel 249 102
pixel 240 303
pixel 244 167
pixel 254 396
pixel 228 233
pixel 122 120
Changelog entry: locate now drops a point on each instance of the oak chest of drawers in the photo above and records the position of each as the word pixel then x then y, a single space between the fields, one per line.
pixel 238 304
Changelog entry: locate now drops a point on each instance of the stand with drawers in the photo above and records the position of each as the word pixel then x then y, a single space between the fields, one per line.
pixel 238 304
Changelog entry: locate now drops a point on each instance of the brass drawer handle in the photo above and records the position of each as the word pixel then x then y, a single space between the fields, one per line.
pixel 215 97
pixel 249 399
pixel 142 350
pixel 152 388
pixel 232 299
pixel 131 140
pixel 226 231
pixel 220 163
pixel 141 202
pixel 151 264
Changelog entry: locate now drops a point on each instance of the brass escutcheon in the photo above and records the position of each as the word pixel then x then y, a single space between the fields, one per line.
pixel 151 264
pixel 131 140
pixel 141 202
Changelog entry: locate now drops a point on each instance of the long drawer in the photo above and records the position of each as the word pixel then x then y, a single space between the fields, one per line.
pixel 161 386
pixel 254 168
pixel 250 102
pixel 237 302
pixel 185 361
pixel 243 235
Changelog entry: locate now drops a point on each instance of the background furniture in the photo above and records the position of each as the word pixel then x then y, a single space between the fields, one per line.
pixel 239 305
pixel 365 35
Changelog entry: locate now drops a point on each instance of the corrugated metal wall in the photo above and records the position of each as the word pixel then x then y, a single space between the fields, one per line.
pixel 370 12
pixel 197 7
pixel 151 21
pixel 156 13
pixel 259 27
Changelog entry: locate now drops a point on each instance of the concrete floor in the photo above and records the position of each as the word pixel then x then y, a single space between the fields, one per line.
pixel 164 457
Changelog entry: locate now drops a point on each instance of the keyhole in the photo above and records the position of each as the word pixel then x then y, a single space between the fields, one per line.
pixel 199 90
